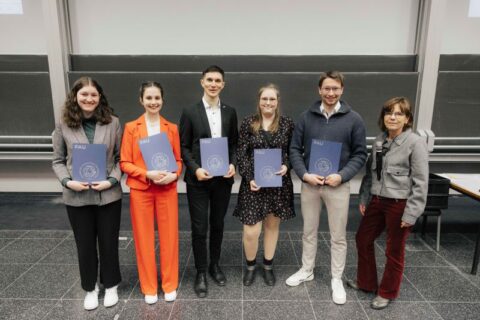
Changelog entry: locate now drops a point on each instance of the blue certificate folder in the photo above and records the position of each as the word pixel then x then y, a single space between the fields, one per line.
pixel 214 155
pixel 324 157
pixel 157 153
pixel 89 162
pixel 266 163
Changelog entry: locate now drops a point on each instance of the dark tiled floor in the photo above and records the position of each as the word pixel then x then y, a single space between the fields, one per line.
pixel 36 211
pixel 39 276
pixel 39 280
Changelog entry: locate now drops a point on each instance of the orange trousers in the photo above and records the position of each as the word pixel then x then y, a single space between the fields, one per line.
pixel 145 205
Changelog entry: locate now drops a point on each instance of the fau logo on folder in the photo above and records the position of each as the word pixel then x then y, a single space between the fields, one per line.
pixel 89 162
pixel 266 163
pixel 214 155
pixel 324 157
pixel 157 153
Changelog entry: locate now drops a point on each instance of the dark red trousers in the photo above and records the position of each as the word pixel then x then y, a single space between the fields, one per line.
pixel 382 213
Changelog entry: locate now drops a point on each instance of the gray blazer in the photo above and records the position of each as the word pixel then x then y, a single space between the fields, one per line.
pixel 64 137
pixel 404 174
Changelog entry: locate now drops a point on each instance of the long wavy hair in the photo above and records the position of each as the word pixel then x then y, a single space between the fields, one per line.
pixel 257 121
pixel 72 113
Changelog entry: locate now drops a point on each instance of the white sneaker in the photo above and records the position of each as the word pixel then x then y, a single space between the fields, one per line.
pixel 299 277
pixel 151 299
pixel 91 299
pixel 339 295
pixel 111 297
pixel 171 296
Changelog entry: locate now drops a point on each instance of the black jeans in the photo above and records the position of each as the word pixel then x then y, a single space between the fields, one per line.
pixel 89 223
pixel 215 192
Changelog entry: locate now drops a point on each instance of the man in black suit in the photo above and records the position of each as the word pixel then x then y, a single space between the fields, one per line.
pixel 209 118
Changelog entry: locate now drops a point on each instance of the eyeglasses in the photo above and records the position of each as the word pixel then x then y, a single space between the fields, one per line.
pixel 265 99
pixel 395 114
pixel 333 89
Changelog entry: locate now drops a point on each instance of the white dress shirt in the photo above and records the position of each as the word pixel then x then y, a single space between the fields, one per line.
pixel 153 127
pixel 214 118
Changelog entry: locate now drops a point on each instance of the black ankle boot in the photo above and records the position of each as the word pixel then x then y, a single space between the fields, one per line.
pixel 268 276
pixel 249 276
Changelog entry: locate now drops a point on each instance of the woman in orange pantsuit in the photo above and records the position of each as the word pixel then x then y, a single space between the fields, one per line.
pixel 153 194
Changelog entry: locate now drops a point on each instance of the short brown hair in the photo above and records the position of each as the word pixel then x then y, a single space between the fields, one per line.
pixel 389 105
pixel 214 68
pixel 335 75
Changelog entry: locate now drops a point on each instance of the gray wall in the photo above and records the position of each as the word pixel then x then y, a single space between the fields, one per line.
pixel 461 32
pixel 271 27
pixel 123 43
pixel 25 33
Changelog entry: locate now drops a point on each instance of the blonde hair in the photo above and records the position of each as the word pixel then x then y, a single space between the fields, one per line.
pixel 257 121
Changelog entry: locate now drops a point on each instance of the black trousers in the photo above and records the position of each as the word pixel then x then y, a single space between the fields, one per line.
pixel 215 193
pixel 90 223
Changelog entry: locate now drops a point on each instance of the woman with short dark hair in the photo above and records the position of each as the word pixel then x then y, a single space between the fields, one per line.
pixel 393 195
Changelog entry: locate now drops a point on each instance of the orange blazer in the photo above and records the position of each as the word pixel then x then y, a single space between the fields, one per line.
pixel 131 160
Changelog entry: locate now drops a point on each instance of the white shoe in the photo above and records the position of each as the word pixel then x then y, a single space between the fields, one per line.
pixel 91 299
pixel 299 277
pixel 151 299
pixel 339 295
pixel 171 296
pixel 111 297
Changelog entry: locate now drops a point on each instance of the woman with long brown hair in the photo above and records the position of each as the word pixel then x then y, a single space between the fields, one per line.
pixel 93 209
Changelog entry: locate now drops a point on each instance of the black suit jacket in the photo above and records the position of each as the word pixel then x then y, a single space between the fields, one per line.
pixel 194 126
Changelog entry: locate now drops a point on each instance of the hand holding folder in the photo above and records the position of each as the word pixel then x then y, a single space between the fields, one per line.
pixel 89 163
pixel 214 157
pixel 267 167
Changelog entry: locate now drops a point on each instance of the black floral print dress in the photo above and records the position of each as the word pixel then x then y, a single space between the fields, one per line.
pixel 253 206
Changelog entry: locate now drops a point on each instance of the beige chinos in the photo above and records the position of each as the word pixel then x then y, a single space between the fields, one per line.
pixel 336 200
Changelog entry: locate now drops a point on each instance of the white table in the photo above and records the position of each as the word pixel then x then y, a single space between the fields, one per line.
pixel 467 184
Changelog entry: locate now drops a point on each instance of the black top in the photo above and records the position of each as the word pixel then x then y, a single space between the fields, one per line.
pixel 253 206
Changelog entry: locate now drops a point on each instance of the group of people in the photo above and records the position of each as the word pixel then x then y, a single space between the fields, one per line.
pixel 392 195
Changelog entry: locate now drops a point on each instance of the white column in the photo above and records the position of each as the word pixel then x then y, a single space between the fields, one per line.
pixel 429 35
pixel 58 50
